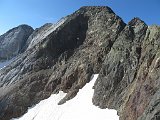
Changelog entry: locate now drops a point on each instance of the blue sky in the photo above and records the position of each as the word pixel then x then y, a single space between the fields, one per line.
pixel 38 12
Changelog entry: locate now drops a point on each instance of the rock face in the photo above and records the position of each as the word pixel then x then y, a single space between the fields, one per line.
pixel 93 40
pixel 129 79
pixel 13 41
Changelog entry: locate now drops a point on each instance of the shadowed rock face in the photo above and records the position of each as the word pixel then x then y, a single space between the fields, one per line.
pixel 65 55
pixel 13 41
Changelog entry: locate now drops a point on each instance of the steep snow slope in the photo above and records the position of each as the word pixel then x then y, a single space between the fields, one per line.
pixel 79 108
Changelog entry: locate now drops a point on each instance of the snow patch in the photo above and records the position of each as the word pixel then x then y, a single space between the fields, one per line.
pixel 79 108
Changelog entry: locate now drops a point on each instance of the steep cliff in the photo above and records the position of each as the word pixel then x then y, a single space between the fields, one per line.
pixel 93 40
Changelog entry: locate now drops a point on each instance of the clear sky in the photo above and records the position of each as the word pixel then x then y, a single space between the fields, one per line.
pixel 38 12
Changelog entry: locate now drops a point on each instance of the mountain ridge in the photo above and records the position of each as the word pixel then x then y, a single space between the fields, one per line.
pixel 92 40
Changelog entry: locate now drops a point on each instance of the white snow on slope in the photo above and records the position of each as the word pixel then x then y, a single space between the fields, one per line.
pixel 79 108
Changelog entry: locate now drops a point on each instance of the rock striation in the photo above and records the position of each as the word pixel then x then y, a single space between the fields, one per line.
pixel 92 40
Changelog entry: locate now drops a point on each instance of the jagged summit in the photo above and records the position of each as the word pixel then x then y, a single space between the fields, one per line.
pixel 95 8
pixel 135 21
pixel 64 56
pixel 138 25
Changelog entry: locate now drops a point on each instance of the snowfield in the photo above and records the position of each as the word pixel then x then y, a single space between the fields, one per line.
pixel 79 108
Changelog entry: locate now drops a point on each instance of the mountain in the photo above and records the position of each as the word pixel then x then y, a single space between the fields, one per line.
pixel 13 41
pixel 64 56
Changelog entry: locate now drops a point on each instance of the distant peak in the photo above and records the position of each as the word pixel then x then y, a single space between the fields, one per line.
pixel 138 25
pixel 136 21
pixel 24 26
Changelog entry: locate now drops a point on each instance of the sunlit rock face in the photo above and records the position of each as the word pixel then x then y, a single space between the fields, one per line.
pixel 13 41
pixel 63 57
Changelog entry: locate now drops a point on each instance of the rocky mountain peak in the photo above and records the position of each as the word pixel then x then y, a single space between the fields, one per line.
pixel 138 25
pixel 95 8
pixel 64 56
pixel 93 11
pixel 25 27
pixel 136 21
pixel 13 41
